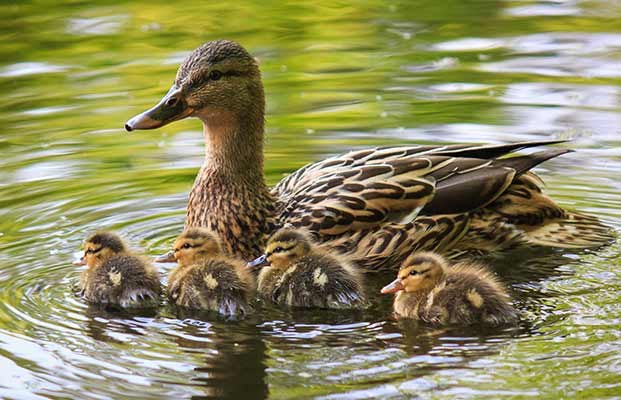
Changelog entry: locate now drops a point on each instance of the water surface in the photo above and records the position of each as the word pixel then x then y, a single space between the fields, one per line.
pixel 337 76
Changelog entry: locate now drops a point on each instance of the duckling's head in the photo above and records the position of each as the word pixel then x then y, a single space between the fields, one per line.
pixel 284 248
pixel 193 246
pixel 420 271
pixel 217 81
pixel 99 247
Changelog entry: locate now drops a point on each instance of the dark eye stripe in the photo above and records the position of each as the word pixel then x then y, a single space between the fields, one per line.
pixel 182 248
pixel 281 249
pixel 203 80
pixel 415 272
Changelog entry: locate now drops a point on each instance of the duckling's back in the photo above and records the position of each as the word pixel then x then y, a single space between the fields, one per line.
pixel 470 294
pixel 125 280
pixel 319 280
pixel 218 285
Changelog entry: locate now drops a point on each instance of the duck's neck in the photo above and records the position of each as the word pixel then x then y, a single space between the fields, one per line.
pixel 229 195
pixel 234 145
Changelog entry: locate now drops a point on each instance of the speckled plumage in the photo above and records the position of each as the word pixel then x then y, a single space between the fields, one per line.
pixel 240 213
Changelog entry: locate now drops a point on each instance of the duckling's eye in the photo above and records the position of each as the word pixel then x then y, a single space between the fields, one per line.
pixel 215 75
pixel 90 251
pixel 278 249
pixel 414 272
pixel 186 246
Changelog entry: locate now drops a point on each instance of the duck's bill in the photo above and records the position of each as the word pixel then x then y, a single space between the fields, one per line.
pixel 393 287
pixel 79 262
pixel 172 107
pixel 258 262
pixel 166 258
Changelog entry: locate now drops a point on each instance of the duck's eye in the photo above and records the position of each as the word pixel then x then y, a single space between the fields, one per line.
pixel 186 246
pixel 89 251
pixel 278 249
pixel 215 75
pixel 414 272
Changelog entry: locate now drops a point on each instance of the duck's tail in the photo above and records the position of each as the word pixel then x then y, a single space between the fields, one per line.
pixel 539 221
pixel 572 231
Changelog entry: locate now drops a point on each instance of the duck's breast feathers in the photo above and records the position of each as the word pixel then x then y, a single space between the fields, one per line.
pixel 367 188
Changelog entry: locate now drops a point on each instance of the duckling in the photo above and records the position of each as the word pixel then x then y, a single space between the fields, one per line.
pixel 205 278
pixel 114 276
pixel 302 275
pixel 466 294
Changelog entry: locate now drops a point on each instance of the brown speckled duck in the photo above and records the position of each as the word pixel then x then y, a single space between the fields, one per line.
pixel 205 279
pixel 114 276
pixel 428 289
pixel 299 274
pixel 375 205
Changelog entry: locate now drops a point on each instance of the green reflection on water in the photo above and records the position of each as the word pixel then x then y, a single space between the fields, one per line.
pixel 338 76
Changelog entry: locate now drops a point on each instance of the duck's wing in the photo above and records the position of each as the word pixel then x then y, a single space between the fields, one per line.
pixel 363 189
pixel 313 171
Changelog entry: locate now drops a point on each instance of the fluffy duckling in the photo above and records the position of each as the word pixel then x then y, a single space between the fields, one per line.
pixel 301 275
pixel 204 278
pixel 114 276
pixel 430 290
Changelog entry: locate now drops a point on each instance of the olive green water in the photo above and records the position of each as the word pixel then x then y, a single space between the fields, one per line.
pixel 337 76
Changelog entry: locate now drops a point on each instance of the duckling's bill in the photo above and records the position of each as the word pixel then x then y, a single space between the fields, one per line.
pixel 79 261
pixel 393 287
pixel 166 257
pixel 258 262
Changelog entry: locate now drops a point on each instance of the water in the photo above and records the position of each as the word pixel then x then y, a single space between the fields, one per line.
pixel 338 76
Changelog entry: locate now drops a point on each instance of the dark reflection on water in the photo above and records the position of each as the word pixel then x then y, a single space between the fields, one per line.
pixel 235 364
pixel 338 76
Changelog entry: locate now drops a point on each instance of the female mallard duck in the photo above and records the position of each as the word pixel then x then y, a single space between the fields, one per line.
pixel 465 294
pixel 114 276
pixel 204 278
pixel 375 205
pixel 301 275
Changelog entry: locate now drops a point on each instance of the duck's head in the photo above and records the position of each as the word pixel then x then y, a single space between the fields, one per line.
pixel 99 247
pixel 284 248
pixel 420 271
pixel 193 246
pixel 218 81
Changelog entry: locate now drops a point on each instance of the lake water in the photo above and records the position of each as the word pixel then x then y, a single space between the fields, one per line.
pixel 338 76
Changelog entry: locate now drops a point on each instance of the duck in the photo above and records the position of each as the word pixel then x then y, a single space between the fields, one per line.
pixel 205 278
pixel 297 273
pixel 374 205
pixel 429 289
pixel 116 277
